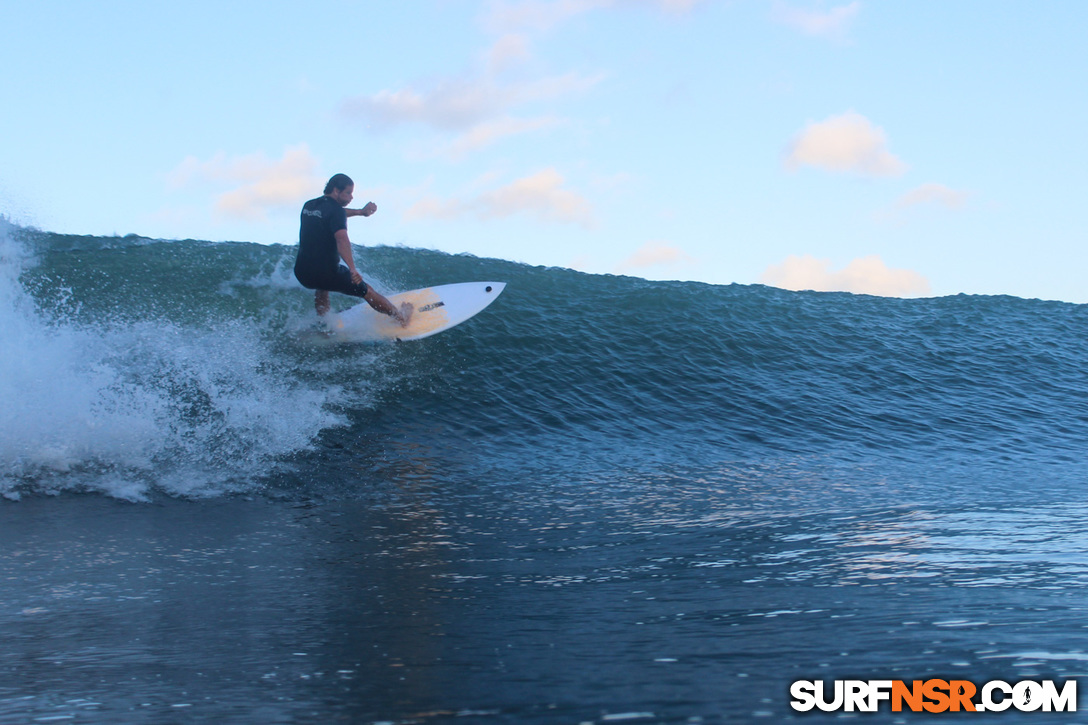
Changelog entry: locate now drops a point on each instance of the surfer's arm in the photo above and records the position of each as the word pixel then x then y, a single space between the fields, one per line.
pixel 367 210
pixel 343 246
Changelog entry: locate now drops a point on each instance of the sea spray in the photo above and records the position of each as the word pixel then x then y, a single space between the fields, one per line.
pixel 130 407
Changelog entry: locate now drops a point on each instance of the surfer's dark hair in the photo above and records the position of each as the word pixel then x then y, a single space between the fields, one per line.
pixel 338 182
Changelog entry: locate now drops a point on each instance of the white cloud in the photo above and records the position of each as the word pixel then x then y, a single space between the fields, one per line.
pixel 454 105
pixel 490 132
pixel 542 195
pixel 538 15
pixel 508 51
pixel 846 143
pixel 866 275
pixel 926 196
pixel 655 254
pixel 468 114
pixel 678 6
pixel 933 194
pixel 458 104
pixel 830 23
pixel 258 183
pixel 475 111
pixel 543 15
pixel 612 182
pixel 253 201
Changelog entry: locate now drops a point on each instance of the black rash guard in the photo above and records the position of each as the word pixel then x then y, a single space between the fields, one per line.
pixel 318 263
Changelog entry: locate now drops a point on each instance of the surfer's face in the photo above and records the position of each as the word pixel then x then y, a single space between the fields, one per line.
pixel 343 196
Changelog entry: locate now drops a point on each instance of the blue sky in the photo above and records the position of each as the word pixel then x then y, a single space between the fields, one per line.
pixel 906 149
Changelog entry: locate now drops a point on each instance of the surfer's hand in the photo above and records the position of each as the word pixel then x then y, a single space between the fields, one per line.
pixel 356 278
pixel 370 208
pixel 404 314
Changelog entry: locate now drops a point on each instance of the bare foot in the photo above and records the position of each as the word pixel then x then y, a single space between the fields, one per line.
pixel 404 314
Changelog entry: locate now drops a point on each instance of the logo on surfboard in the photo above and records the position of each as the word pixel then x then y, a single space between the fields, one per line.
pixel 433 305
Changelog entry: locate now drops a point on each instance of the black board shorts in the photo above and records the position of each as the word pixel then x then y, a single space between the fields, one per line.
pixel 338 281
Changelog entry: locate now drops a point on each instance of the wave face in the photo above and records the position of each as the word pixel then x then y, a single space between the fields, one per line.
pixel 139 368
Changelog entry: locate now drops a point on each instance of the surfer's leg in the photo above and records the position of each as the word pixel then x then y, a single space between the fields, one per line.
pixel 338 281
pixel 341 282
pixel 381 304
pixel 321 301
pixel 319 283
pixel 344 285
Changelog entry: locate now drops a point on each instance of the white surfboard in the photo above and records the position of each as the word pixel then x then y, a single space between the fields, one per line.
pixel 436 309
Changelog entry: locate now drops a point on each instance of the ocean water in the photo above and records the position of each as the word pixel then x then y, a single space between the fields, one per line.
pixel 603 499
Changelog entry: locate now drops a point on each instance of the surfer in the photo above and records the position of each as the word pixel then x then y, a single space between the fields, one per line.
pixel 323 243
